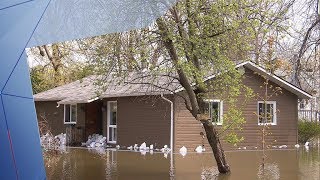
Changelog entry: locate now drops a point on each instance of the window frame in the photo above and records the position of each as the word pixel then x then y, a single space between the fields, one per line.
pixel 274 116
pixel 70 112
pixel 220 110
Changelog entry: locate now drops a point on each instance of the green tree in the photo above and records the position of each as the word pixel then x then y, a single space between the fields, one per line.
pixel 307 130
pixel 194 39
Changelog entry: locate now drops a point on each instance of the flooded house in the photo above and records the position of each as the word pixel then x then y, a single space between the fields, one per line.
pixel 130 113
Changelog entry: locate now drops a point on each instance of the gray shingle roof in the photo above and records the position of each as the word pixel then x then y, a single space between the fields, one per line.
pixel 136 84
pixel 94 87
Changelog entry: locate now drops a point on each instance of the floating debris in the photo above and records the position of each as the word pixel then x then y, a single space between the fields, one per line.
pixel 199 149
pixel 135 147
pixel 283 146
pixel 165 149
pixel 143 146
pixel 183 151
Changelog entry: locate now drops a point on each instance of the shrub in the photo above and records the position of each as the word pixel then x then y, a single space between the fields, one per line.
pixel 307 130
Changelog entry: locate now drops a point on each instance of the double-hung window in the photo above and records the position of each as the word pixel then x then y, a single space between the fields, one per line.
pixel 267 113
pixel 70 114
pixel 215 110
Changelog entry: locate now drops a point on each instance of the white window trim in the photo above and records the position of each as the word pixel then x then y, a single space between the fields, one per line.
pixel 221 110
pixel 274 103
pixel 64 114
pixel 108 121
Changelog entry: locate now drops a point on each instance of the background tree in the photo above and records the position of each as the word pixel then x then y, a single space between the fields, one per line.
pixel 56 65
pixel 299 49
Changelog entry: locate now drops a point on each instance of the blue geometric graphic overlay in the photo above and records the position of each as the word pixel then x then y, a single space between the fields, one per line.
pixel 17 26
pixel 19 83
pixel 21 155
pixel 25 136
pixel 8 170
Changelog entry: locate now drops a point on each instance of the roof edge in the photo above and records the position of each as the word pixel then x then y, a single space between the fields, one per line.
pixel 305 94
pixel 277 78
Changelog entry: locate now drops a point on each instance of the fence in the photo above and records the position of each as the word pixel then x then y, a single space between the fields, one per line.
pixel 310 115
pixel 75 135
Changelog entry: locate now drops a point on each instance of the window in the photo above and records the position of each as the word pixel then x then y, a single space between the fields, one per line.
pixel 70 114
pixel 215 110
pixel 267 113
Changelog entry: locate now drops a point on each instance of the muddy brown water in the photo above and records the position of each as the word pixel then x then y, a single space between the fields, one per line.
pixel 89 164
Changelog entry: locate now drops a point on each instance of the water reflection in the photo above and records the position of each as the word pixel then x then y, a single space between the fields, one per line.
pixel 112 164
pixel 269 171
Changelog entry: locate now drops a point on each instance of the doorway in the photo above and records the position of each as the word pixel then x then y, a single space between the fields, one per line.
pixel 112 122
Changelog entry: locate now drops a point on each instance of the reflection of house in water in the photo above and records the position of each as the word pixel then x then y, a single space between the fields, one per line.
pixel 129 114
pixel 111 163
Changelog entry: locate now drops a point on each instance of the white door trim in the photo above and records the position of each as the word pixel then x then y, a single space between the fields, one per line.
pixel 108 123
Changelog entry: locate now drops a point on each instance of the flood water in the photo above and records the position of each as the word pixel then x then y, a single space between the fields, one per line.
pixel 91 164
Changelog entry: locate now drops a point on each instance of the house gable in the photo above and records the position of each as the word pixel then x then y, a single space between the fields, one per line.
pixel 187 128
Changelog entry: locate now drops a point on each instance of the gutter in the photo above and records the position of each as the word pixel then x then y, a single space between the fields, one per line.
pixel 171 120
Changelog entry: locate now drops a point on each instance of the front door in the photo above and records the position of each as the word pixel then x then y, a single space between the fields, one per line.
pixel 93 118
pixel 112 122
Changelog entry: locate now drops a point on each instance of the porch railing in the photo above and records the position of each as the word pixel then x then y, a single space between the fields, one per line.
pixel 74 135
pixel 309 115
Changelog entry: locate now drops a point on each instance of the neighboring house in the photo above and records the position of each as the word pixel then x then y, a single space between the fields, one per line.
pixel 309 110
pixel 130 114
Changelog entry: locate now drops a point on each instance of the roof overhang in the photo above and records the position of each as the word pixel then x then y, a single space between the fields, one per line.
pixel 77 101
pixel 282 83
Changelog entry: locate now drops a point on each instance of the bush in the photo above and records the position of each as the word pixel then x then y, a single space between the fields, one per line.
pixel 307 130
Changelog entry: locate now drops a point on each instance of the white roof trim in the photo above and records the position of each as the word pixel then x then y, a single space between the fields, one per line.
pixel 94 99
pixel 284 84
pixel 290 87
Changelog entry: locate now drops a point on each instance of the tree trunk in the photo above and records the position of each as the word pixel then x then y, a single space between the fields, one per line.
pixel 216 147
pixel 195 97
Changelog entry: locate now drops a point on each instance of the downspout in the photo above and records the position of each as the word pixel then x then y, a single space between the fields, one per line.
pixel 171 121
pixel 171 135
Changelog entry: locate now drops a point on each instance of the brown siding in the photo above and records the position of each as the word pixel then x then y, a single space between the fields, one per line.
pixel 187 129
pixel 55 117
pixel 52 114
pixel 142 119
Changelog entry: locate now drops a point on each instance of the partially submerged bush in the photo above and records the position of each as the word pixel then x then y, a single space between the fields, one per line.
pixel 307 130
